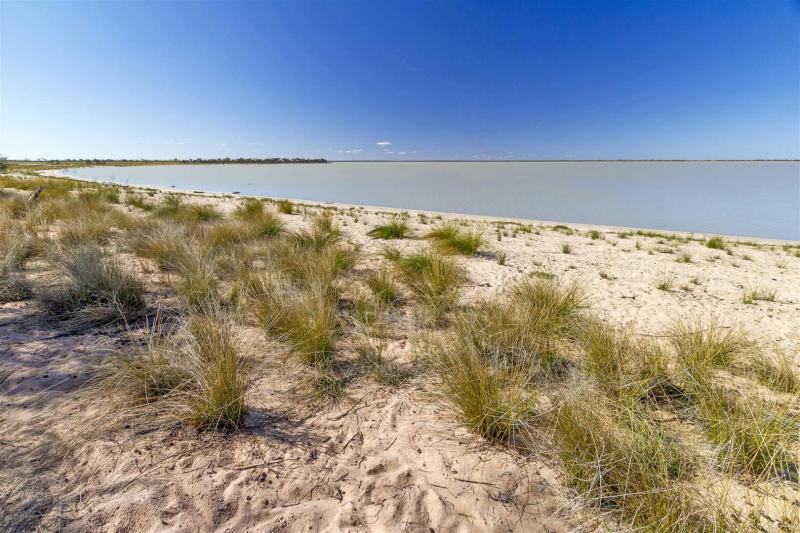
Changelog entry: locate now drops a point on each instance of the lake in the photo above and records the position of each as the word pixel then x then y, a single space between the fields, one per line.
pixel 758 199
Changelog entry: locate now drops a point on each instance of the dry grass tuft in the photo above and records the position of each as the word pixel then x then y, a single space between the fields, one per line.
pixel 702 347
pixel 754 437
pixel 93 289
pixel 193 375
pixel 616 458
pixel 302 315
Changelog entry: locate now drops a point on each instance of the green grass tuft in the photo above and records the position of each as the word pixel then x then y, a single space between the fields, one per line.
pixel 450 238
pixel 397 228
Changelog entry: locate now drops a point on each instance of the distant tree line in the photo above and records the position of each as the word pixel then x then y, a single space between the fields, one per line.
pixel 195 161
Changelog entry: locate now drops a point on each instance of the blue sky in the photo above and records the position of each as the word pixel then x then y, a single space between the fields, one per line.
pixel 401 80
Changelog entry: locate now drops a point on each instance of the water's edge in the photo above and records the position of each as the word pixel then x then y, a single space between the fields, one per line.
pixel 63 173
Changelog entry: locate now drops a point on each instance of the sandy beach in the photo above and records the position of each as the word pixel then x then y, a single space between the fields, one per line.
pixel 386 458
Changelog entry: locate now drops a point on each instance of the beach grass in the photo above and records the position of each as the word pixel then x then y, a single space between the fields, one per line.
pixel 452 239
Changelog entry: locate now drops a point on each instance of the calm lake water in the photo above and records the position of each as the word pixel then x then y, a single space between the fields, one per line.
pixel 745 199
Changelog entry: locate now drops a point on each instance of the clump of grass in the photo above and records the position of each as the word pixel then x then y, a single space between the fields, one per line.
pixel 165 244
pixel 624 367
pixel 91 229
pixel 202 213
pixel 220 378
pixel 139 201
pixel 701 347
pixel 754 437
pixel 501 258
pixel 174 208
pixel 618 459
pixel 193 375
pixel 664 284
pixel 435 280
pixel 450 238
pixel 263 223
pixel 566 248
pixel 525 330
pixel 171 206
pixel 315 258
pixel 198 284
pixel 684 257
pixel 383 286
pixel 16 246
pixel 224 236
pixel 777 373
pixel 322 385
pixel 304 316
pixel 756 294
pixel 94 289
pixel 488 392
pixel 286 207
pixel 324 232
pixel 397 228
pixel 716 243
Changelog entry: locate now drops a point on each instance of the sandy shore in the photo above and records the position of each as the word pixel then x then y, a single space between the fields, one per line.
pixel 388 460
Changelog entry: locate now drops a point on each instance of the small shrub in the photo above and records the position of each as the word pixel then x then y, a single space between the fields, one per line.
pixel 566 248
pixel 501 258
pixel 716 243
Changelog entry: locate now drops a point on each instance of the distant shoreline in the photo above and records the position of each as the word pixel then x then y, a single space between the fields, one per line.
pixel 564 161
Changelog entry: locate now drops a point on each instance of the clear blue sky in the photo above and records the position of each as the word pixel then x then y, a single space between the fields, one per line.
pixel 430 80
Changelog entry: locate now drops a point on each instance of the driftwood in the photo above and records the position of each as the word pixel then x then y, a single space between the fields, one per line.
pixel 35 195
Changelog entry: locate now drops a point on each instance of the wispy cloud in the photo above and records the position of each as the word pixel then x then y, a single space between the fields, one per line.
pixel 383 143
pixel 345 151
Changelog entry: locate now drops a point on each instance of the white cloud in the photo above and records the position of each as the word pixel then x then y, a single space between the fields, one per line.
pixel 346 151
pixel 383 143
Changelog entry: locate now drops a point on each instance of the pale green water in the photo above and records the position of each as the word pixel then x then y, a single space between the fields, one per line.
pixel 732 198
